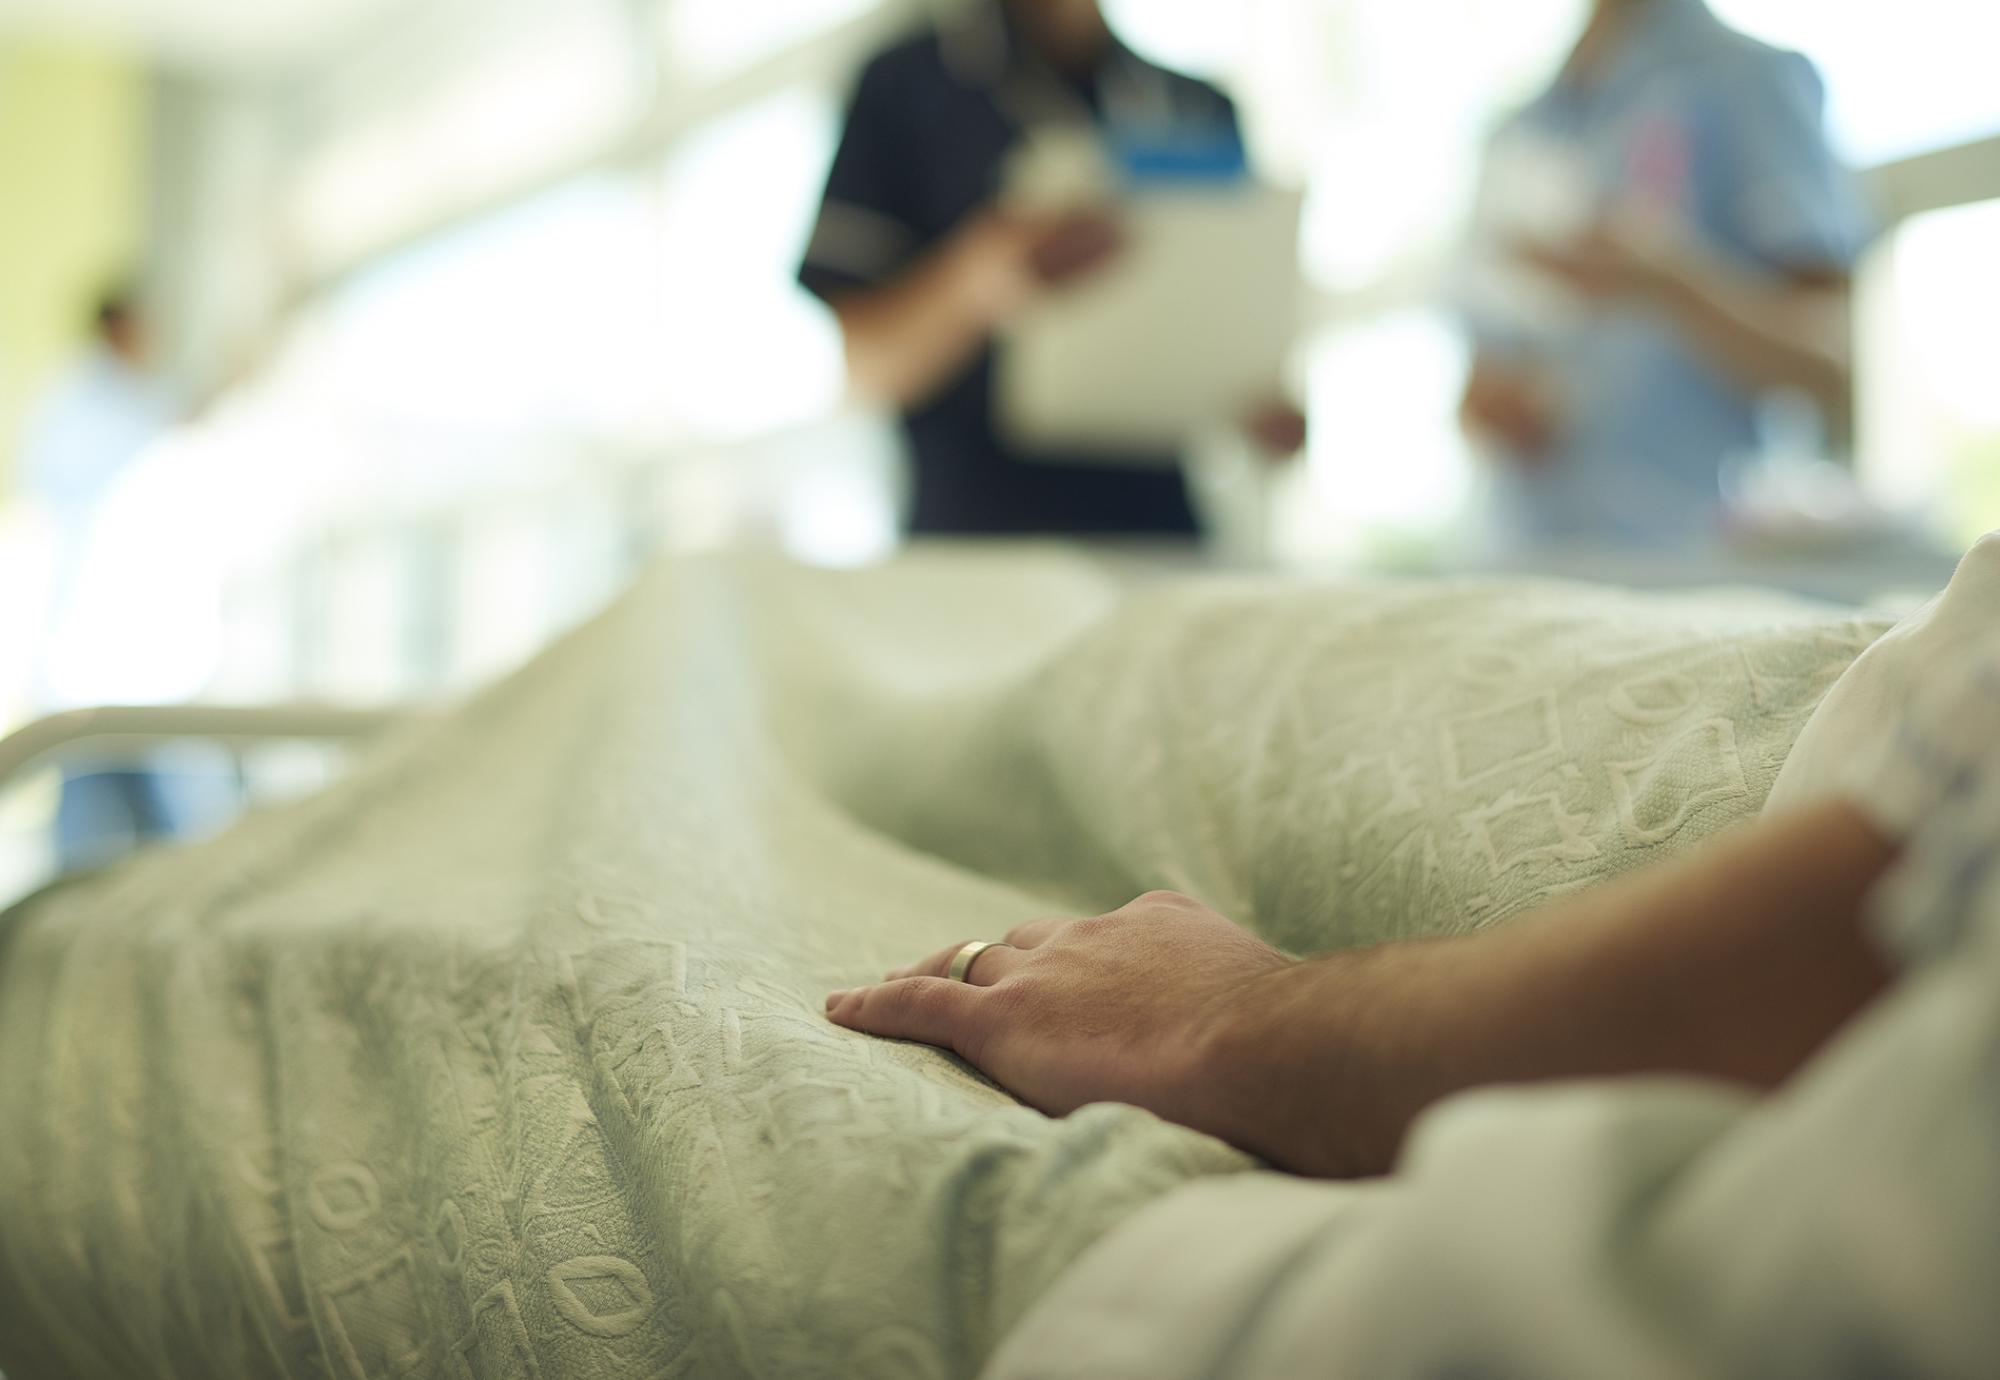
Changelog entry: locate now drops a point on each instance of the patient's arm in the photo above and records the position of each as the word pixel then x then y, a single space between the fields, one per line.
pixel 1736 962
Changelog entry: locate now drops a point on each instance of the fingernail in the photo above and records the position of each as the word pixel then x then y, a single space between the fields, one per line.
pixel 833 999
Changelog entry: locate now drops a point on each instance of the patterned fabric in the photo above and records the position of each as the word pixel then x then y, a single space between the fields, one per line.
pixel 1341 766
pixel 504 1058
pixel 1849 1226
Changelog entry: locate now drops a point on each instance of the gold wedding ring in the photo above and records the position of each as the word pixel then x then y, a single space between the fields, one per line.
pixel 962 961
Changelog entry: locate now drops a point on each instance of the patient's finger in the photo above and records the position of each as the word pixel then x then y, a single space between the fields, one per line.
pixel 1030 933
pixel 936 965
pixel 989 967
pixel 933 1010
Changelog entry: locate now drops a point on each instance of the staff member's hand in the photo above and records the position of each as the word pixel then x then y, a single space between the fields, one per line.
pixel 1114 1008
pixel 912 335
pixel 1511 406
pixel 1005 260
pixel 1621 258
pixel 1768 327
pixel 1276 429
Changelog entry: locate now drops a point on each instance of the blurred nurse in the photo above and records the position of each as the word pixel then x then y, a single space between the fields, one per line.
pixel 922 265
pixel 1664 238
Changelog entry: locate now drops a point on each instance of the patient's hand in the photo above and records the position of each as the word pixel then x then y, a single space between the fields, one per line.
pixel 1113 1008
pixel 1736 961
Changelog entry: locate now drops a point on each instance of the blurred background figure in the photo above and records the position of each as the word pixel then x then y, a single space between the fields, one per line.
pixel 95 424
pixel 92 426
pixel 923 263
pixel 1676 188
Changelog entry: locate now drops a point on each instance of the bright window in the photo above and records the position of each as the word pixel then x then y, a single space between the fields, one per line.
pixel 543 317
pixel 1930 413
pixel 747 351
pixel 527 97
pixel 1900 79
pixel 713 38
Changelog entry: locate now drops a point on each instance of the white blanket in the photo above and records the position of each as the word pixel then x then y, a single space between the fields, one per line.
pixel 505 1058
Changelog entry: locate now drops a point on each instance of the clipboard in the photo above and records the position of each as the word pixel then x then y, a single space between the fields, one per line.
pixel 1190 326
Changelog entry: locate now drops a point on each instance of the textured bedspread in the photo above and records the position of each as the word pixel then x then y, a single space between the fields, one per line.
pixel 503 1058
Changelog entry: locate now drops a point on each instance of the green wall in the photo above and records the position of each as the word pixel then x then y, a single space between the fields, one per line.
pixel 72 207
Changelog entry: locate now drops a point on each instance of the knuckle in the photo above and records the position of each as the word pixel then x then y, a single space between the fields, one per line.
pixel 922 996
pixel 1001 1007
pixel 1027 930
pixel 1008 997
pixel 879 1005
pixel 1096 927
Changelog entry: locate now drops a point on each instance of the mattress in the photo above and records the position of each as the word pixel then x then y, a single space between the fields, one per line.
pixel 504 1057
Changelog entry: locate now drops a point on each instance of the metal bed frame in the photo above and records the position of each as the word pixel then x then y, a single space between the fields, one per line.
pixel 49 741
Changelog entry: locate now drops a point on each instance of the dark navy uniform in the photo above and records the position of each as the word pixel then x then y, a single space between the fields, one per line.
pixel 927 134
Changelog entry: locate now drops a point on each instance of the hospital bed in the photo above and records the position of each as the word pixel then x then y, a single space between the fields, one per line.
pixel 503 1056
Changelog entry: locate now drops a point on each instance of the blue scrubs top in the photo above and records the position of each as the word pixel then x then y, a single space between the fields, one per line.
pixel 928 133
pixel 1725 134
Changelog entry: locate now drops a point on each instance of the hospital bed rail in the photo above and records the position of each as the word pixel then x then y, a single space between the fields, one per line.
pixel 127 728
